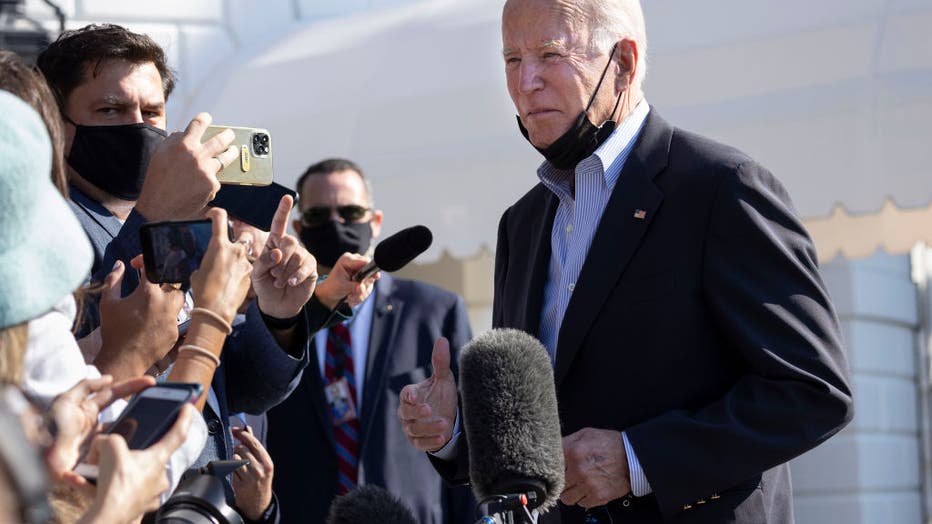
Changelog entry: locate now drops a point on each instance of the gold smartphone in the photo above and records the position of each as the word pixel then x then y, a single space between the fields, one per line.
pixel 254 165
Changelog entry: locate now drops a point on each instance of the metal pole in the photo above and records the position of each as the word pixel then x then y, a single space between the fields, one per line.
pixel 921 261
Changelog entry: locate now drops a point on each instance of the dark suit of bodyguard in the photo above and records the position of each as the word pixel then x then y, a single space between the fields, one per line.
pixel 407 316
pixel 389 337
pixel 695 348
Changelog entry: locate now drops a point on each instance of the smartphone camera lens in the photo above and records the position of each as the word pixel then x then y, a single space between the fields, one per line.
pixel 260 144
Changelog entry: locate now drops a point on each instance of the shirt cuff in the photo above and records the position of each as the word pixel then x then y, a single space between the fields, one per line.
pixel 639 484
pixel 449 450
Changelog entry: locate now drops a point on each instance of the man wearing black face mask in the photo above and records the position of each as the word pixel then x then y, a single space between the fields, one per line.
pixel 695 348
pixel 338 430
pixel 123 167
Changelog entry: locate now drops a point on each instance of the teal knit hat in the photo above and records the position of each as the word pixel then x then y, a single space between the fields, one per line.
pixel 44 252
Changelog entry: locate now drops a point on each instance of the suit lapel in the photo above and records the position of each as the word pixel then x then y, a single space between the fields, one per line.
pixel 631 208
pixel 385 314
pixel 539 248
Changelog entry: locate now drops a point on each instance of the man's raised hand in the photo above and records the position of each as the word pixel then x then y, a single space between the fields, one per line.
pixel 182 174
pixel 428 409
pixel 285 274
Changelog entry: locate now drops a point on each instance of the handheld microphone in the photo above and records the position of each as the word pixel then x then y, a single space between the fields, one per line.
pixel 396 251
pixel 512 424
pixel 367 504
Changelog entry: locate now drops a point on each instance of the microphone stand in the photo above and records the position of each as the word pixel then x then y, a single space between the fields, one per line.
pixel 507 509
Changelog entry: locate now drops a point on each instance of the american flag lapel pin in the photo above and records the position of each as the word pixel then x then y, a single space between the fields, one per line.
pixel 640 214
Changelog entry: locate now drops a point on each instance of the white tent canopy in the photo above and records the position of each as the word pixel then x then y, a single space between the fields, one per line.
pixel 835 97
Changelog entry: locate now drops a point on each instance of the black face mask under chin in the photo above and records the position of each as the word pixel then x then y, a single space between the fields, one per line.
pixel 582 138
pixel 114 158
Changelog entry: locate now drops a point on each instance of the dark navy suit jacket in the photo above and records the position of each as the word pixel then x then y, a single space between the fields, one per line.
pixel 408 316
pixel 699 325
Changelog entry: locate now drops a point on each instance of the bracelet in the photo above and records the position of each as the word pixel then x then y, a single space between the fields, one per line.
pixel 280 323
pixel 214 315
pixel 200 351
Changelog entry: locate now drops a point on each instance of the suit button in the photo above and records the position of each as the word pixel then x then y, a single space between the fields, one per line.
pixel 700 501
pixel 687 506
pixel 626 502
pixel 213 426
pixel 715 496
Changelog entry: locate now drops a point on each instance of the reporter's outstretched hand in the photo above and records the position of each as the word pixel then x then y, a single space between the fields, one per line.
pixel 139 330
pixel 75 415
pixel 428 409
pixel 252 483
pixel 182 175
pixel 221 282
pixel 285 274
pixel 129 483
pixel 340 283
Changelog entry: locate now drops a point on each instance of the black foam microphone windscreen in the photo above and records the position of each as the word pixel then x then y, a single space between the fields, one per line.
pixel 396 251
pixel 510 417
pixel 368 504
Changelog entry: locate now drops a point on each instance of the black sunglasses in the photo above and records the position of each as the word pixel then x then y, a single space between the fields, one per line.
pixel 317 215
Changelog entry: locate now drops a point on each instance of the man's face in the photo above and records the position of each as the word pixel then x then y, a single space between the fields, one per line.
pixel 333 191
pixel 550 68
pixel 121 93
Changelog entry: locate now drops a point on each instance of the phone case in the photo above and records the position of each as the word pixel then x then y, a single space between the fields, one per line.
pixel 254 165
pixel 255 205
pixel 157 248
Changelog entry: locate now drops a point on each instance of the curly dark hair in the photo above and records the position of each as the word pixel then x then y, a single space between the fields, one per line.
pixel 65 61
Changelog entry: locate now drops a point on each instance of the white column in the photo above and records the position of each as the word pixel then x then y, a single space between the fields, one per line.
pixel 869 473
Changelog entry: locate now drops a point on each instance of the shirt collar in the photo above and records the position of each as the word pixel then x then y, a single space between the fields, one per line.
pixel 610 156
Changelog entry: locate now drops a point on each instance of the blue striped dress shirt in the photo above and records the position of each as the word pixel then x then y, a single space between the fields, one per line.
pixel 574 226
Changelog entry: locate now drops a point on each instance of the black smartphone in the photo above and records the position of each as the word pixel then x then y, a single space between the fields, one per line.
pixel 173 250
pixel 254 205
pixel 151 412
pixel 147 417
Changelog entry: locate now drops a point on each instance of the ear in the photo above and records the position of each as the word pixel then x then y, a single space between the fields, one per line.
pixel 626 59
pixel 376 223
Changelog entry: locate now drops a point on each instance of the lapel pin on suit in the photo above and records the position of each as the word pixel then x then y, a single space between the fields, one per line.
pixel 388 308
pixel 640 214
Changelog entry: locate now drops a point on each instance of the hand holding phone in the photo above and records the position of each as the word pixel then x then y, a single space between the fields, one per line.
pixel 138 329
pixel 221 283
pixel 182 173
pixel 147 417
pixel 254 165
pixel 75 412
pixel 130 482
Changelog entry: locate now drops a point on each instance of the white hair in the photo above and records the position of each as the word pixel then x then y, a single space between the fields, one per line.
pixel 614 20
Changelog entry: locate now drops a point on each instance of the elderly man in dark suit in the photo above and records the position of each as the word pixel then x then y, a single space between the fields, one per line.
pixel 338 429
pixel 695 348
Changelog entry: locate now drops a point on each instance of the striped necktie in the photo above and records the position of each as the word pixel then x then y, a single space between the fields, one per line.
pixel 340 349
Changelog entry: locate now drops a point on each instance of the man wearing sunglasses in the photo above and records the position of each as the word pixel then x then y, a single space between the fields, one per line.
pixel 339 430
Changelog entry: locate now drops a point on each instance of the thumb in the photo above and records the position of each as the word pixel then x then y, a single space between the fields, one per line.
pixel 440 358
pixel 113 281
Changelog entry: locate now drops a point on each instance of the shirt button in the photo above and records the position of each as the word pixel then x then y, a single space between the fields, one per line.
pixel 571 287
pixel 569 228
pixel 213 426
